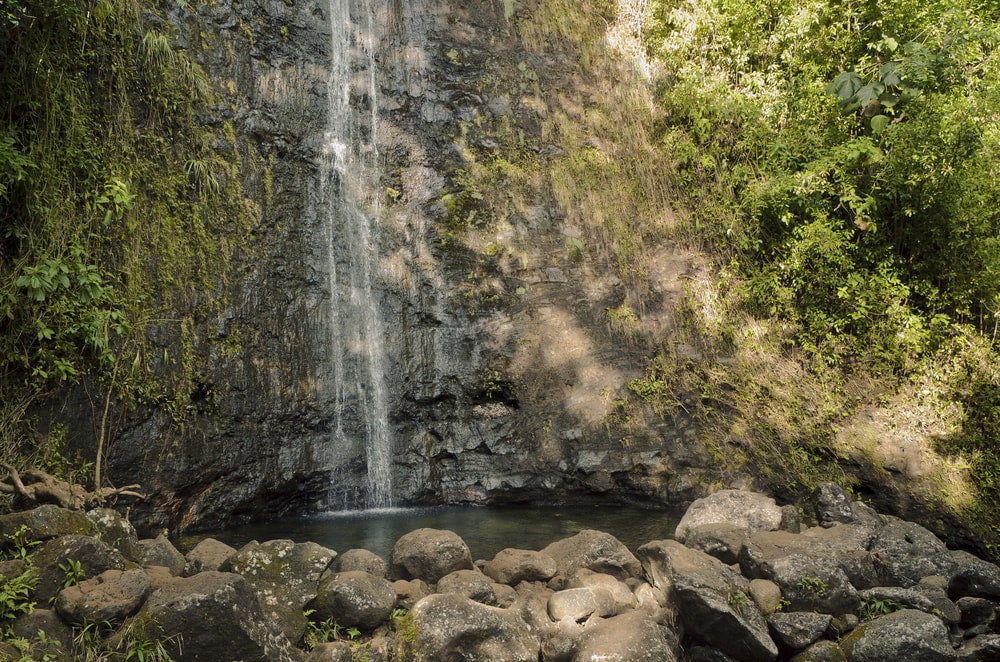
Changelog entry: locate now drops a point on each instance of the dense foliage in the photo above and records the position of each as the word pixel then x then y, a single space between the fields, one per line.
pixel 115 206
pixel 841 158
pixel 855 145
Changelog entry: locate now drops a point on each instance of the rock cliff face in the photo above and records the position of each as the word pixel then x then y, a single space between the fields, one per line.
pixel 504 372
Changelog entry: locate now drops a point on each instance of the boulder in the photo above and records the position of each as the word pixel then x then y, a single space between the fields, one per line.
pixel 111 596
pixel 808 571
pixel 631 637
pixel 354 599
pixel 594 550
pixel 45 523
pixel 909 552
pixel 471 584
pixel 505 595
pixel 577 604
pixel 942 606
pixel 621 595
pixel 723 541
pixel 984 648
pixel 117 532
pixel 212 616
pixel 410 591
pixel 976 611
pixel 532 605
pixel 285 575
pixel 822 651
pixel 332 651
pixel 450 627
pixel 796 630
pixel 907 634
pixel 92 555
pixel 766 595
pixel 749 511
pixel 907 598
pixel 511 566
pixel 209 554
pixel 160 551
pixel 973 577
pixel 362 560
pixel 58 641
pixel 158 576
pixel 698 653
pixel 559 641
pixel 429 555
pixel 791 519
pixel 832 504
pixel 710 600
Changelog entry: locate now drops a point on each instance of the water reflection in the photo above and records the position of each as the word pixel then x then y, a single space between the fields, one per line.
pixel 485 530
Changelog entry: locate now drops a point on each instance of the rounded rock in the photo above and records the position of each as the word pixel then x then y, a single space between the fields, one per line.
pixel 429 554
pixel 354 599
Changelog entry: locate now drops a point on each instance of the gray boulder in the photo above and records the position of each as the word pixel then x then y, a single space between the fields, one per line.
pixel 809 572
pixel 796 630
pixel 362 560
pixel 832 504
pixel 410 591
pixel 332 651
pixel 723 541
pixel 111 596
pixel 511 566
pixel 354 599
pixel 577 604
pixel 471 584
pixel 631 637
pixel 285 575
pixel 45 523
pixel 117 532
pixel 450 627
pixel 984 648
pixel 711 601
pixel 92 555
pixel 58 643
pixel 209 554
pixel 973 577
pixel 906 598
pixel 766 595
pixel 532 605
pixel 909 552
pixel 976 611
pixel 749 511
pixel 212 616
pixel 594 550
pixel 822 651
pixel 621 595
pixel 907 634
pixel 429 554
pixel 160 551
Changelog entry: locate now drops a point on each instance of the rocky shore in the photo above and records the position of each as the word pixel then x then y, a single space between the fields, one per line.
pixel 744 579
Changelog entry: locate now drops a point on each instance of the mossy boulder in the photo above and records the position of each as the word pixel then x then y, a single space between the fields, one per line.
pixel 285 575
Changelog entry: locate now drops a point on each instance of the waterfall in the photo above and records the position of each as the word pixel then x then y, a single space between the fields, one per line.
pixel 349 174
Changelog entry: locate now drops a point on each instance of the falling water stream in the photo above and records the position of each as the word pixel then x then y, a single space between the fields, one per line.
pixel 348 170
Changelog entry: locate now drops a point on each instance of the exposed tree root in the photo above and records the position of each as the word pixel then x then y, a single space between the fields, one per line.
pixel 37 487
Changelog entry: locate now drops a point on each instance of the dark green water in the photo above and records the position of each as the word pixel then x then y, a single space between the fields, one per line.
pixel 486 530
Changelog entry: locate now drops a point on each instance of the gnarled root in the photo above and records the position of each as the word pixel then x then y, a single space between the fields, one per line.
pixel 38 487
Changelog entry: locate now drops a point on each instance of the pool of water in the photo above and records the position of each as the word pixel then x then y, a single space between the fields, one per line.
pixel 486 530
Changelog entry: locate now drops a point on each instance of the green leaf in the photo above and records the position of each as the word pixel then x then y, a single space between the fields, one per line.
pixel 845 86
pixel 879 124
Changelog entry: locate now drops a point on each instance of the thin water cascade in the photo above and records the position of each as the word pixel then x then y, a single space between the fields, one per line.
pixel 349 184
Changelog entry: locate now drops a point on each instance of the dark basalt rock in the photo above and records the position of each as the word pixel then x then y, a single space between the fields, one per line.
pixel 907 634
pixel 212 616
